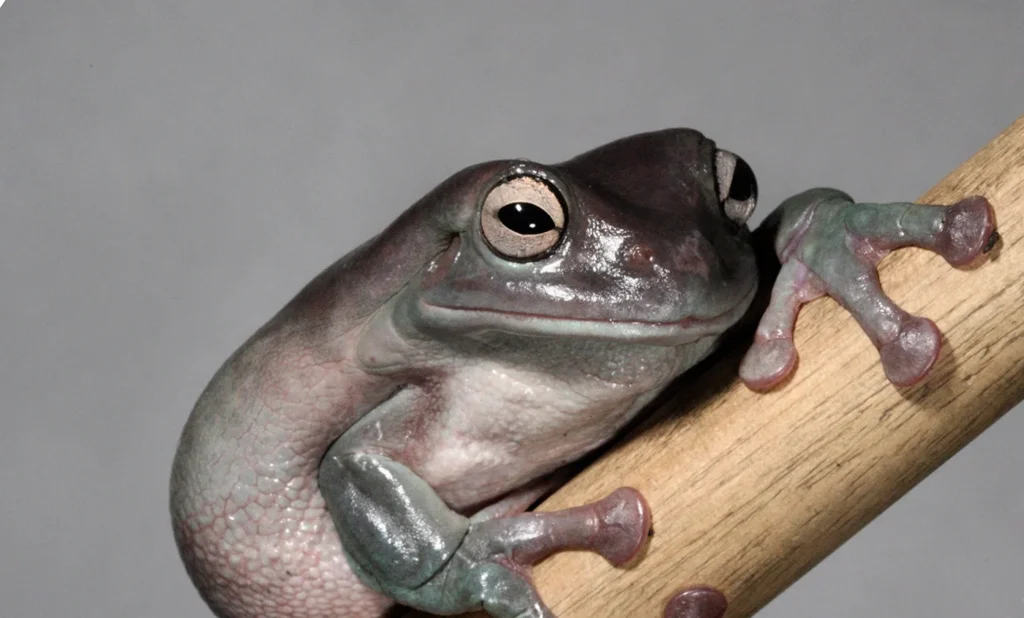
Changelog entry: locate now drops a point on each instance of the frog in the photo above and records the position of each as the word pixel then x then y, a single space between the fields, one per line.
pixel 380 441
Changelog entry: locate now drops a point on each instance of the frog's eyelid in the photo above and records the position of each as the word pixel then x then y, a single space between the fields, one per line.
pixel 725 165
pixel 738 202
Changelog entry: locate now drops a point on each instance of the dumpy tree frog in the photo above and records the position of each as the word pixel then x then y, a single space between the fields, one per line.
pixel 381 438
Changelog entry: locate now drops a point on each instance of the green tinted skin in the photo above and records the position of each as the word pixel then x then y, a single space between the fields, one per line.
pixel 381 438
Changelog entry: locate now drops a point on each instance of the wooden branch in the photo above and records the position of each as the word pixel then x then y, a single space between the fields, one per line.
pixel 749 491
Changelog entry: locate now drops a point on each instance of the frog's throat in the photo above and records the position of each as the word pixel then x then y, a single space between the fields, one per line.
pixel 682 331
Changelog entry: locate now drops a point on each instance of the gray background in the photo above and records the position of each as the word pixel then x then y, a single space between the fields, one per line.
pixel 172 172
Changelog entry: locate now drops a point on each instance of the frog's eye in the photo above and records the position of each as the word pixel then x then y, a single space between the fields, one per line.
pixel 523 218
pixel 737 186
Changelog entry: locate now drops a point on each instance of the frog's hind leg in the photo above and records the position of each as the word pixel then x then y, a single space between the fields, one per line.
pixel 403 541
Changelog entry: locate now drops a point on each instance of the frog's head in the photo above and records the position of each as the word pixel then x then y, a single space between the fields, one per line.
pixel 642 240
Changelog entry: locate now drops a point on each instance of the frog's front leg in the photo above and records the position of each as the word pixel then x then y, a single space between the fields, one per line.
pixel 828 244
pixel 405 542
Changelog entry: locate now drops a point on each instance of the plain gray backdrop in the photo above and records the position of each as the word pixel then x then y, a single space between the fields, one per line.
pixel 172 172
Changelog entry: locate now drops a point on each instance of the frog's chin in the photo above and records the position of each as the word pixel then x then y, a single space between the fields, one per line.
pixel 669 333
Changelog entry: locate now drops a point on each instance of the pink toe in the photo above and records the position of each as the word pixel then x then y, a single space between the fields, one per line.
pixel 625 521
pixel 767 363
pixel 969 225
pixel 700 602
pixel 908 358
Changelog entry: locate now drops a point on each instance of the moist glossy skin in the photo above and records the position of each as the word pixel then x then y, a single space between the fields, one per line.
pixel 426 388
pixel 479 373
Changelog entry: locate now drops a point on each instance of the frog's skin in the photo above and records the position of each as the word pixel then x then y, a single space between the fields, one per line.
pixel 380 439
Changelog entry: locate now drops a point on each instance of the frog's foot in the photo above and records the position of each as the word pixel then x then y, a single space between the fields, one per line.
pixel 405 542
pixel 699 602
pixel 830 245
pixel 615 527
pixel 499 553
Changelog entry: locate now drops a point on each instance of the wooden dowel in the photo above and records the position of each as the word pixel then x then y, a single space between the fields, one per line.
pixel 749 491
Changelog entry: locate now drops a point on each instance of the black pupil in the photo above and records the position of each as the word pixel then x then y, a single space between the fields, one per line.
pixel 744 185
pixel 525 218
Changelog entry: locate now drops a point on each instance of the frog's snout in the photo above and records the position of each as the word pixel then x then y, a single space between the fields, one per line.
pixel 683 257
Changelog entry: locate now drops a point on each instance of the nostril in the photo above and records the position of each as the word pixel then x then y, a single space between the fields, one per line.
pixel 640 255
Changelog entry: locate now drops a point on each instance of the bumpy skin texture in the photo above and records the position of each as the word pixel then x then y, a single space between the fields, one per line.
pixel 379 439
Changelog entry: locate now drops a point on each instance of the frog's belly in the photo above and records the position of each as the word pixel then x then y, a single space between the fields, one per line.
pixel 498 430
pixel 258 539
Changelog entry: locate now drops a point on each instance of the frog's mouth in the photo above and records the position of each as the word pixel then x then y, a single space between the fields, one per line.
pixel 668 333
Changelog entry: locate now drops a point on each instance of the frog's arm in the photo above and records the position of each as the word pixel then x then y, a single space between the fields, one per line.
pixel 751 490
pixel 405 542
pixel 829 245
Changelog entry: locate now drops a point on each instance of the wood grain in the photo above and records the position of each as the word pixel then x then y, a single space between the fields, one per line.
pixel 749 490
